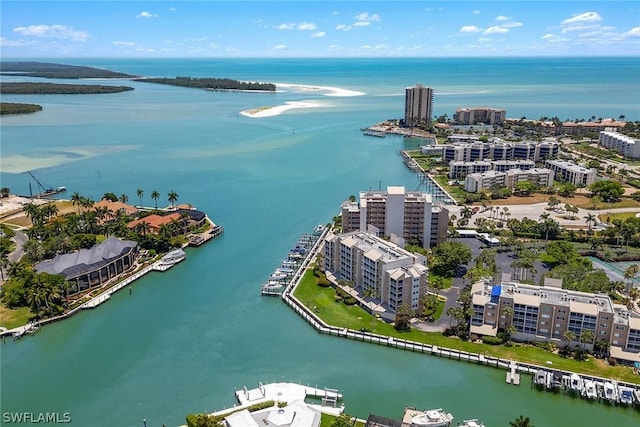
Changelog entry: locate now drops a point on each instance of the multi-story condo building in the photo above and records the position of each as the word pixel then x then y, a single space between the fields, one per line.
pixel 546 313
pixel 476 182
pixel 579 176
pixel 379 268
pixel 540 177
pixel 409 215
pixel 458 170
pixel 623 144
pixel 495 150
pixel 463 138
pixel 418 106
pixel 480 115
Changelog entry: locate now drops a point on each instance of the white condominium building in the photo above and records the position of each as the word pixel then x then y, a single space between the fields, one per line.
pixel 623 144
pixel 480 115
pixel 409 215
pixel 381 269
pixel 579 176
pixel 418 106
pixel 545 313
pixel 476 182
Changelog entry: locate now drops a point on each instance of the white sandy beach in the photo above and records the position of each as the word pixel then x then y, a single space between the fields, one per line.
pixel 279 109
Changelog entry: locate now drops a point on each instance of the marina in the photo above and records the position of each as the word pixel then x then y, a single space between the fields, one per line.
pixel 291 267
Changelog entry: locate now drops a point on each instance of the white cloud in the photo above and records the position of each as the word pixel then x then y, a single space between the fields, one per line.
pixel 475 12
pixel 342 27
pixel 307 26
pixel 365 17
pixel 361 24
pixel 302 26
pixel 634 32
pixel 146 15
pixel 16 43
pixel 485 40
pixel 512 24
pixel 502 18
pixel 496 30
pixel 580 28
pixel 583 17
pixel 280 47
pixel 117 43
pixel 470 29
pixel 549 36
pixel 53 31
pixel 319 34
pixel 286 26
pixel 172 9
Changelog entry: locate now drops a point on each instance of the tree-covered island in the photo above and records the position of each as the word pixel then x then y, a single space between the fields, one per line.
pixel 15 108
pixel 57 71
pixel 35 88
pixel 210 83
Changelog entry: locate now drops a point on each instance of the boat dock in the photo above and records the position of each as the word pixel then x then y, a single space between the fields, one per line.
pixel 200 239
pixel 513 377
pixel 287 392
pixel 293 266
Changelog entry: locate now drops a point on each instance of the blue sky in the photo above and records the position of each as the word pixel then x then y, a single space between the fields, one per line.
pixel 32 29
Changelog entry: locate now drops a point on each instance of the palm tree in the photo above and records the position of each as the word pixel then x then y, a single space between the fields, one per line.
pixel 75 200
pixel 155 196
pixel 172 197
pixel 521 421
pixel 124 198
pixel 140 193
pixel 466 212
pixel 569 336
pixel 590 219
pixel 586 336
pixel 630 274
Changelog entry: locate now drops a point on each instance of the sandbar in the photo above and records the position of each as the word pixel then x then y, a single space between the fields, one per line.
pixel 278 109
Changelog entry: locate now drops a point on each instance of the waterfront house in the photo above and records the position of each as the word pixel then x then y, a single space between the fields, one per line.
pixel 89 268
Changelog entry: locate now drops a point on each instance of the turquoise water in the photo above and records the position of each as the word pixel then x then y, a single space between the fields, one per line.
pixel 186 338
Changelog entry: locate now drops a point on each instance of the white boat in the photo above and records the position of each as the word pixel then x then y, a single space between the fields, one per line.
pixel 432 418
pixel 286 270
pixel 590 391
pixel 278 275
pixel 610 392
pixel 173 257
pixel 626 395
pixel 471 423
pixel 288 263
pixel 575 383
pixel 318 230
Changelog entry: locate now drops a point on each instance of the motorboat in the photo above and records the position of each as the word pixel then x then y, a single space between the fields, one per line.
pixel 575 383
pixel 286 270
pixel 278 275
pixel 318 230
pixel 590 391
pixel 471 423
pixel 541 378
pixel 431 418
pixel 288 263
pixel 610 392
pixel 625 395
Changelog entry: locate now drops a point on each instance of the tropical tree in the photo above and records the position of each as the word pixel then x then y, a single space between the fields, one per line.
pixel 124 198
pixel 172 197
pixel 75 200
pixel 568 336
pixel 521 421
pixel 586 336
pixel 553 202
pixel 140 193
pixel 155 196
pixel 591 220
pixel 630 274
pixel 466 212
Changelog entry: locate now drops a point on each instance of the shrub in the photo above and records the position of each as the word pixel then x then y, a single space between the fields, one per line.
pixel 487 339
pixel 350 301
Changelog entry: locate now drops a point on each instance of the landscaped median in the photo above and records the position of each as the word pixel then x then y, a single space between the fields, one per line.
pixel 323 303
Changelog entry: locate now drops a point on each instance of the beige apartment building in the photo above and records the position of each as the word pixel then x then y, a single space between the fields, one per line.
pixel 390 274
pixel 545 313
pixel 409 215
pixel 480 115
pixel 623 144
pixel 578 175
pixel 475 182
pixel 418 106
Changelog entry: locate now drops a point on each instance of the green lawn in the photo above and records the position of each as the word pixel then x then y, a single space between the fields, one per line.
pixel 322 302
pixel 12 318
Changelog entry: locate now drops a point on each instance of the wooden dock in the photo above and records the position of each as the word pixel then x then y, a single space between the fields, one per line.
pixel 513 377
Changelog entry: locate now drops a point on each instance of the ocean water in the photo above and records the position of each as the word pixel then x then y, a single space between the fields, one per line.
pixel 186 338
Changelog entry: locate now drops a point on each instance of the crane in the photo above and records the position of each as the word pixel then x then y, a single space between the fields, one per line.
pixel 46 190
